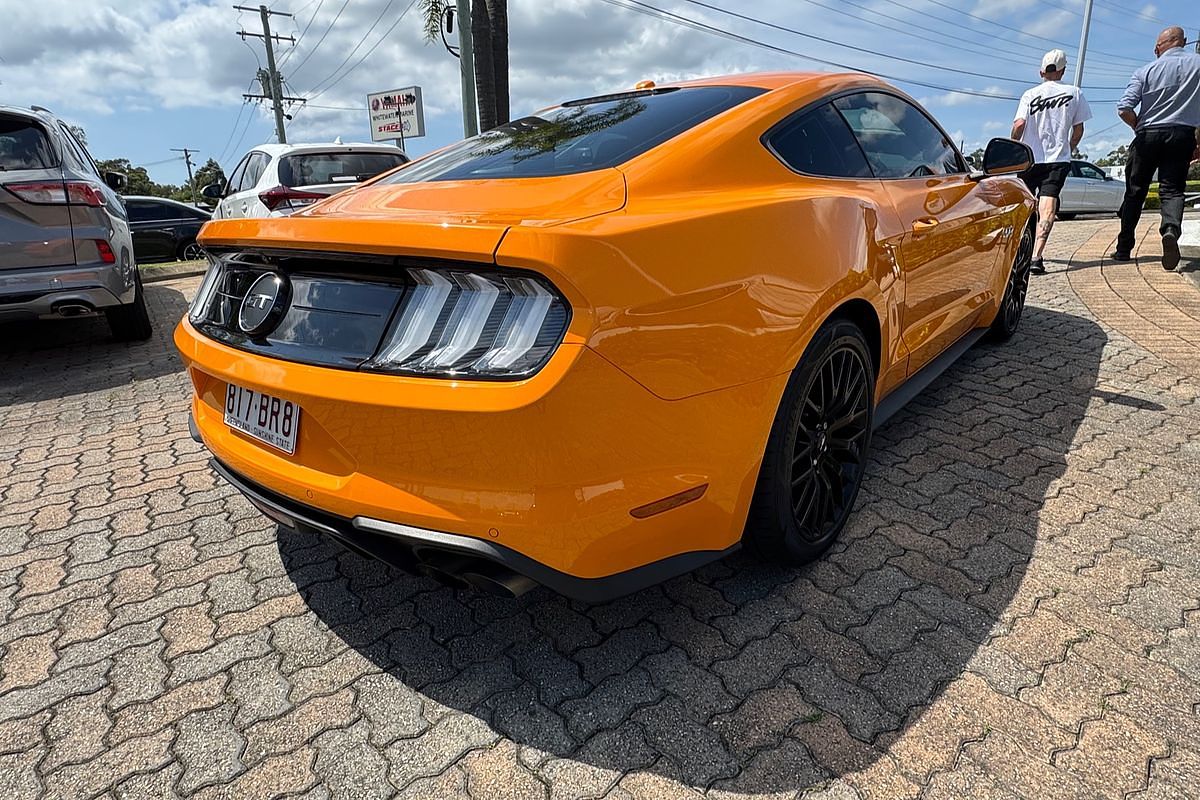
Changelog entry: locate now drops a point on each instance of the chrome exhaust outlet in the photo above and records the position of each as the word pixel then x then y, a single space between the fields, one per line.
pixel 73 309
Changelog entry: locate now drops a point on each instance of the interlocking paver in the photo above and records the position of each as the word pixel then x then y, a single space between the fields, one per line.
pixel 1012 611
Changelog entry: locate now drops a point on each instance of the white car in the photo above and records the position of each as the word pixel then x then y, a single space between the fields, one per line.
pixel 274 180
pixel 1089 190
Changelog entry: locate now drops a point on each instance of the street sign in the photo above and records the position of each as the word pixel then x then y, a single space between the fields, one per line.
pixel 397 114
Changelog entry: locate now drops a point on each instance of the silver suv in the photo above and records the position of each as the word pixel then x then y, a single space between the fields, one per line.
pixel 65 245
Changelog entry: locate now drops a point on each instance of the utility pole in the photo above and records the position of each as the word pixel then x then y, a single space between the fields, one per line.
pixel 273 85
pixel 1083 37
pixel 466 65
pixel 187 159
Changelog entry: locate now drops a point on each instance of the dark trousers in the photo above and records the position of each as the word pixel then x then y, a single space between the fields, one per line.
pixel 1168 150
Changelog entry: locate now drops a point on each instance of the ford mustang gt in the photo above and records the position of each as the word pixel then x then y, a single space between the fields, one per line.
pixel 611 341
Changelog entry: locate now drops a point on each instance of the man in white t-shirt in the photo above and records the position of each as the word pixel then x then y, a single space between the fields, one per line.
pixel 1050 120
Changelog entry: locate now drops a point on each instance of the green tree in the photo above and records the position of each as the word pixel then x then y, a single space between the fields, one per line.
pixel 1116 158
pixel 489 37
pixel 80 134
pixel 137 179
pixel 976 158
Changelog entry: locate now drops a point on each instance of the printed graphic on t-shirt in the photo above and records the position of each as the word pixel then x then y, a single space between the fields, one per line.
pixel 1039 104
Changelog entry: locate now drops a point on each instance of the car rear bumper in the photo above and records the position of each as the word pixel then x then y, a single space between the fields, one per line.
pixel 456 560
pixel 556 478
pixel 41 292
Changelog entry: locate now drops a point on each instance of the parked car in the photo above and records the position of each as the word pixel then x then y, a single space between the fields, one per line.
pixel 65 244
pixel 164 230
pixel 604 344
pixel 1090 190
pixel 274 180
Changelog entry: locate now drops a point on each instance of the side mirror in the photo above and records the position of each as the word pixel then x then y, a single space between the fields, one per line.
pixel 115 180
pixel 213 191
pixel 1004 157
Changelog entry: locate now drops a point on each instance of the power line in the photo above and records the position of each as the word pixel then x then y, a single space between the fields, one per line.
pixel 814 37
pixel 1024 33
pixel 982 50
pixel 288 55
pixel 333 22
pixel 233 130
pixel 367 54
pixel 654 11
pixel 245 128
pixel 354 50
pixel 1142 15
pixel 1006 43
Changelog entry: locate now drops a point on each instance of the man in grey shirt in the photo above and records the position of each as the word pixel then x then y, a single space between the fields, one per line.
pixel 1168 93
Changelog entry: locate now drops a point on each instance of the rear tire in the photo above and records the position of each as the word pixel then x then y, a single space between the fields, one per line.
pixel 192 251
pixel 131 322
pixel 1012 305
pixel 817 450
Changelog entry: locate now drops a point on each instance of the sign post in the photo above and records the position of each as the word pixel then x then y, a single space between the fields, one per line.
pixel 398 114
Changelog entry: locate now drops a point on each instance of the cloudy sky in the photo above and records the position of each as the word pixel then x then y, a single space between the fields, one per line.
pixel 144 76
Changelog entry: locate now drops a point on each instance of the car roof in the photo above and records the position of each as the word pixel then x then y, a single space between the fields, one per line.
pixel 159 200
pixel 774 80
pixel 276 149
pixel 39 113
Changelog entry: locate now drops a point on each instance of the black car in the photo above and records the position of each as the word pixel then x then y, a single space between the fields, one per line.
pixel 164 230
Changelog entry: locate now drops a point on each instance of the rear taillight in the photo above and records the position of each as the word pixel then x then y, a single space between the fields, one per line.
pixel 285 197
pixel 76 193
pixel 473 324
pixel 106 251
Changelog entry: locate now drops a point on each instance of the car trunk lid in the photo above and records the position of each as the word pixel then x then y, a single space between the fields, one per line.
pixel 443 219
pixel 35 229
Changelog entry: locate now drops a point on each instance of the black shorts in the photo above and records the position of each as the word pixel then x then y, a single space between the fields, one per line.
pixel 1046 180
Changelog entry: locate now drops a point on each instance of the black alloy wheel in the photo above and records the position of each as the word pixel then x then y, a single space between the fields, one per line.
pixel 818 448
pixel 1012 305
pixel 827 454
pixel 191 251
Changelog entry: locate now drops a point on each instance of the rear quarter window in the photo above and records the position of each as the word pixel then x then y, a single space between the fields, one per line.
pixel 579 136
pixel 23 145
pixel 314 169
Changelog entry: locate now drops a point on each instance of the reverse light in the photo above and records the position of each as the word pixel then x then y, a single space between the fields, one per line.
pixel 284 196
pixel 200 304
pixel 77 193
pixel 473 324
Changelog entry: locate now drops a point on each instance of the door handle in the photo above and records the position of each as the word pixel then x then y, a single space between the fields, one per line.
pixel 924 224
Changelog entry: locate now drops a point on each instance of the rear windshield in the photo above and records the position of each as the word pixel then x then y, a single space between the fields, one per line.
pixel 23 145
pixel 578 136
pixel 311 169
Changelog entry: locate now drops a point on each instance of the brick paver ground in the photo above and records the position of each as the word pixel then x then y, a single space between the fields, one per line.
pixel 1013 612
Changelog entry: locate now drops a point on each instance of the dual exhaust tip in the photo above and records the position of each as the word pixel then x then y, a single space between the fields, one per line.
pixel 465 572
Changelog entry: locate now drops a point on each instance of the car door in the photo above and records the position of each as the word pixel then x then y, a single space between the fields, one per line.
pixel 1103 193
pixel 243 201
pixel 817 142
pixel 242 180
pixel 953 230
pixel 151 236
pixel 1073 199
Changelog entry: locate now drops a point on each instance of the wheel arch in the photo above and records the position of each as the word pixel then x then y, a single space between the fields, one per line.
pixel 864 315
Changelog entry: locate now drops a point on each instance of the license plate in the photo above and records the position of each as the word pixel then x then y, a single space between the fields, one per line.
pixel 269 419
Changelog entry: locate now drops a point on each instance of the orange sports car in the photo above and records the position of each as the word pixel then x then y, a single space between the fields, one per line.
pixel 609 342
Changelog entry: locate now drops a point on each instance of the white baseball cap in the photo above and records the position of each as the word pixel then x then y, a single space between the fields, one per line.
pixel 1054 61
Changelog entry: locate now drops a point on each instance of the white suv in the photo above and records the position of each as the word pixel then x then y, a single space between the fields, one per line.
pixel 274 180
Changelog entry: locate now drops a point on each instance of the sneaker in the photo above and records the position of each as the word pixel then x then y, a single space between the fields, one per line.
pixel 1170 250
pixel 1117 255
pixel 1037 267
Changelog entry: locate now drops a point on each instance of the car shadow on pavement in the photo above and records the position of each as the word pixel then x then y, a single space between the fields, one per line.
pixel 51 359
pixel 745 676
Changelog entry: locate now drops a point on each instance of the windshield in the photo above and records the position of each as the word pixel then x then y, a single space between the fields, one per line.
pixel 578 136
pixel 313 169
